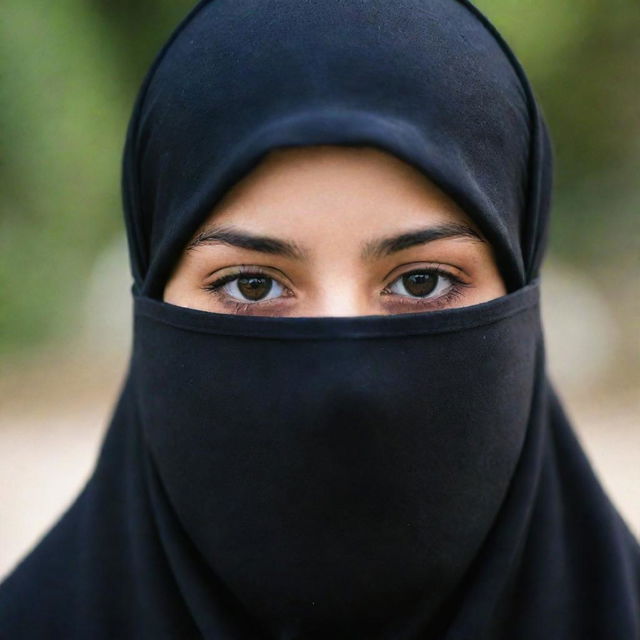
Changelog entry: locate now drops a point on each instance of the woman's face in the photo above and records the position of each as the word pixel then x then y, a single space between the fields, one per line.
pixel 334 231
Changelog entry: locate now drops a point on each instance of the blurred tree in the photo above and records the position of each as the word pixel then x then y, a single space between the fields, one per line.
pixel 70 74
pixel 583 62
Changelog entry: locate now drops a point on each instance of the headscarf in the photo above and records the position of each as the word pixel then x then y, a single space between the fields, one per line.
pixel 379 477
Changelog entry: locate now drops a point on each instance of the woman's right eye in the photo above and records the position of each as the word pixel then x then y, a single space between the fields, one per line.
pixel 248 287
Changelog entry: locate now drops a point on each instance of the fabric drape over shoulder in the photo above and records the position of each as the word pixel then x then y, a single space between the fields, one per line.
pixel 376 477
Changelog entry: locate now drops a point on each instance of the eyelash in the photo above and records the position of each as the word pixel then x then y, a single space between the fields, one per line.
pixel 215 288
pixel 455 290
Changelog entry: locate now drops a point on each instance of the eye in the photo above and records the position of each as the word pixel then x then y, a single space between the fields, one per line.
pixel 426 283
pixel 249 287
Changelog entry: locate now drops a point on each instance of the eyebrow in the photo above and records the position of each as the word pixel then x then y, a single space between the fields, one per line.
pixel 393 244
pixel 373 249
pixel 234 238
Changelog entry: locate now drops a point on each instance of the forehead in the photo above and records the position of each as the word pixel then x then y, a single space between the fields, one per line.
pixel 313 186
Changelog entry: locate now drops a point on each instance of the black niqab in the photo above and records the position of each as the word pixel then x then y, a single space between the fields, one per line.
pixel 384 477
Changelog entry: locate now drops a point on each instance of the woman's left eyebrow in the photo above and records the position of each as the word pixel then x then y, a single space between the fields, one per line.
pixel 391 244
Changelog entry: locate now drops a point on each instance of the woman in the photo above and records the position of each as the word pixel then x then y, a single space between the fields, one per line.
pixel 336 421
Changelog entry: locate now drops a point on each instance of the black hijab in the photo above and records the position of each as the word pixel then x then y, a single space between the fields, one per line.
pixel 409 476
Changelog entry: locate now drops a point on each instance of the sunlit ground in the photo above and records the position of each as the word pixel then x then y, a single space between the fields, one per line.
pixel 56 403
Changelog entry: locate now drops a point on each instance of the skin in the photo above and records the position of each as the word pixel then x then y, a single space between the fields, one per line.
pixel 324 231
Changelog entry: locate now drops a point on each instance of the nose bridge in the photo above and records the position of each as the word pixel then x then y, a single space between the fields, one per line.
pixel 342 296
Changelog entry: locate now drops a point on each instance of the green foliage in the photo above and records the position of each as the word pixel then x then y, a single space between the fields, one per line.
pixel 69 78
pixel 582 61
pixel 68 81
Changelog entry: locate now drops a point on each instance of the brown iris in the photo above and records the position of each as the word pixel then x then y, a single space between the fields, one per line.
pixel 254 287
pixel 420 284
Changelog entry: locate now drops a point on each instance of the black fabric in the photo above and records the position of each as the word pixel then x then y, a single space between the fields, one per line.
pixel 383 477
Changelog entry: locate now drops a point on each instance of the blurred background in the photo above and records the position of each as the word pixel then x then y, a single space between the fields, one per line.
pixel 71 71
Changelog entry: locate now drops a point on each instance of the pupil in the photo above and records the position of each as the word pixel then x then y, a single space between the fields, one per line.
pixel 420 284
pixel 254 287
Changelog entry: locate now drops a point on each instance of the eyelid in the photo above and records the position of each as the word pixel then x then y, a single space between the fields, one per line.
pixel 423 265
pixel 240 269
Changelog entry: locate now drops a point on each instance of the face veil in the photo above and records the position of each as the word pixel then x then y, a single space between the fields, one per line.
pixel 409 476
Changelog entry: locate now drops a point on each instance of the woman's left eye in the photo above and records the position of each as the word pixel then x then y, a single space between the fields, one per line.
pixel 426 283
